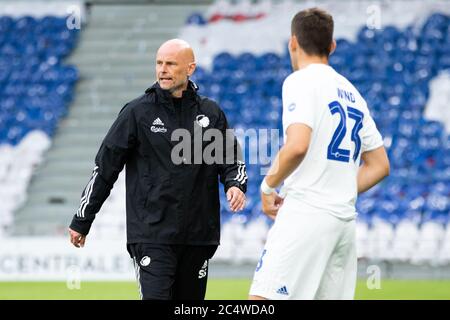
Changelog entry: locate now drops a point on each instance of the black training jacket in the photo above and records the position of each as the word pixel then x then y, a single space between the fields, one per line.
pixel 166 202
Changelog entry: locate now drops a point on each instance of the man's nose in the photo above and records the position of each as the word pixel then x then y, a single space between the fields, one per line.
pixel 163 68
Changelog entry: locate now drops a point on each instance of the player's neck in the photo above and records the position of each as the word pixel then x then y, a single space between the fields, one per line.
pixel 306 60
pixel 178 93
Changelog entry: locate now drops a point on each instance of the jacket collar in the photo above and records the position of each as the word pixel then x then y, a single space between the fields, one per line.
pixel 164 96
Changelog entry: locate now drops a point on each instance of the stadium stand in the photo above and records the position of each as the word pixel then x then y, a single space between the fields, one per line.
pixel 35 91
pixel 403 70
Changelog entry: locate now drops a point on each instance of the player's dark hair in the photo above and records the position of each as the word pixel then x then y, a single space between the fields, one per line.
pixel 313 29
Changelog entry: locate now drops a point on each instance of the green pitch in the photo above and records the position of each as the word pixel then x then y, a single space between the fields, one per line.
pixel 226 289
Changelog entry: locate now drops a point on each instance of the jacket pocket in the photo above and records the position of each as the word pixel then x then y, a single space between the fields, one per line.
pixel 158 201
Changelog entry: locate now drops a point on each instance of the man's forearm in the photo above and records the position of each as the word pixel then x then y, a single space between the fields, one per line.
pixel 285 163
pixel 368 176
pixel 374 168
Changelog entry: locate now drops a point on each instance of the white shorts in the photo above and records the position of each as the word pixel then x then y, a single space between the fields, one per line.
pixel 307 256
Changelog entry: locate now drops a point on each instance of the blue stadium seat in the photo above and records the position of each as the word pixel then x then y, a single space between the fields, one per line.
pixel 196 19
pixel 36 87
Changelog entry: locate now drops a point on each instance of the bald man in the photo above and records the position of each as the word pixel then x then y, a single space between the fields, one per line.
pixel 172 196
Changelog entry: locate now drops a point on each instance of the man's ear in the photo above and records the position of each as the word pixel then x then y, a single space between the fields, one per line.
pixel 332 46
pixel 293 43
pixel 191 68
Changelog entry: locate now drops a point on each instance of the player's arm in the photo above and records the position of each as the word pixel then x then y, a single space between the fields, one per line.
pixel 290 155
pixel 287 160
pixel 374 168
pixel 109 162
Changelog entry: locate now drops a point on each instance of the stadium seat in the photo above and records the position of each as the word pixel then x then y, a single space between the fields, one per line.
pixel 444 252
pixel 406 236
pixel 380 238
pixel 36 89
pixel 429 241
pixel 362 234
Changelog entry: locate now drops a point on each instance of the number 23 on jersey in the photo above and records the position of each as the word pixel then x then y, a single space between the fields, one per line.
pixel 334 152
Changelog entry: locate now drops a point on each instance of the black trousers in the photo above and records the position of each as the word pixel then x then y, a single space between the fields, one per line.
pixel 171 272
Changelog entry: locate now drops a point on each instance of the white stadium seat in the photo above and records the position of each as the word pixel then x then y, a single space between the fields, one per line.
pixel 429 242
pixel 380 239
pixel 362 235
pixel 405 239
pixel 444 252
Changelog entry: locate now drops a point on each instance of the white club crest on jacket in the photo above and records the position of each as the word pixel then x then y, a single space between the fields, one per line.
pixel 202 120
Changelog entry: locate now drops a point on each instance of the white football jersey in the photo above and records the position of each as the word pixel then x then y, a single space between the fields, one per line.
pixel 342 129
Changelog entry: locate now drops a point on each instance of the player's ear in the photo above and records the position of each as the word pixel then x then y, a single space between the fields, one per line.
pixel 293 43
pixel 332 46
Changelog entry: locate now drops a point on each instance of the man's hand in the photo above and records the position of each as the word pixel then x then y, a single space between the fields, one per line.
pixel 236 198
pixel 77 239
pixel 271 203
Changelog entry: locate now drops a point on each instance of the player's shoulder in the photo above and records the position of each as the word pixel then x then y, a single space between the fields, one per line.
pixel 303 78
pixel 209 105
pixel 137 102
pixel 135 106
pixel 296 77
